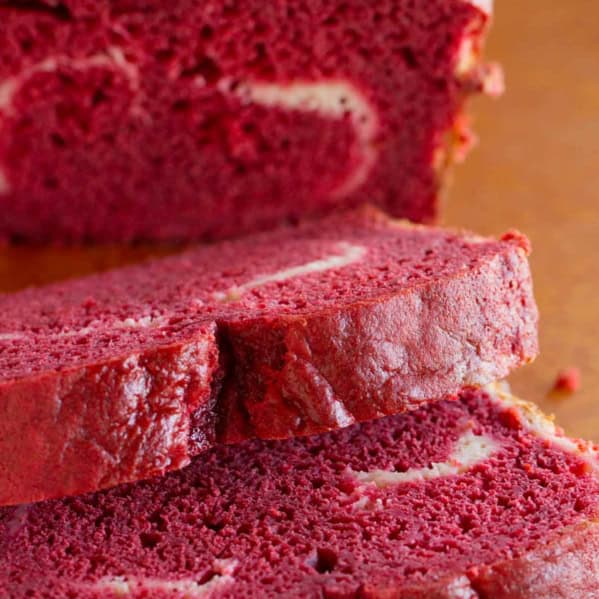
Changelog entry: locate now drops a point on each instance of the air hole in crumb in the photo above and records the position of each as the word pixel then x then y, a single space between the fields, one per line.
pixel 149 540
pixel 57 140
pixel 466 523
pixel 164 55
pixel 206 32
pixel 99 97
pixel 56 9
pixel 159 521
pixel 207 68
pixel 51 183
pixel 26 45
pixel 181 106
pixel 326 560
pixel 409 57
pixel 215 526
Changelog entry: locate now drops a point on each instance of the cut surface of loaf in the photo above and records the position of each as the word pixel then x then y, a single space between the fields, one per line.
pixel 179 119
pixel 474 498
pixel 126 374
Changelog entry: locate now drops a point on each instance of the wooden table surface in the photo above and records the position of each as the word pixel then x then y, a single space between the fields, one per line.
pixel 537 169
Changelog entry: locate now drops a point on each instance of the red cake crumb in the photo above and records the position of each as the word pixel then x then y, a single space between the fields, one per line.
pixel 124 375
pixel 517 237
pixel 568 380
pixel 443 502
pixel 179 119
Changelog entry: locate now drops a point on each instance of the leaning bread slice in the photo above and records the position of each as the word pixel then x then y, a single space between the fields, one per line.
pixel 127 374
pixel 480 497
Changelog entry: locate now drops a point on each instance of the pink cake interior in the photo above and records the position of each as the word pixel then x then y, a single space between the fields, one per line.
pixel 123 119
pixel 267 517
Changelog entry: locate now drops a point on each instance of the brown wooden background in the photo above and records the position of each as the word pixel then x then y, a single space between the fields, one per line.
pixel 537 168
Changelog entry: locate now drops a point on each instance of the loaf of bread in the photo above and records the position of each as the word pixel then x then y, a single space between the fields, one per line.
pixel 162 119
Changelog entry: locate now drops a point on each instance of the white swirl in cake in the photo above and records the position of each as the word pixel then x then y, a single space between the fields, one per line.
pixel 469 451
pixel 331 99
pixel 350 253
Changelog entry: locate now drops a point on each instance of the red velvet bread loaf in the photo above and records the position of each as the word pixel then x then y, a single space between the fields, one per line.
pixel 126 374
pixel 475 498
pixel 127 119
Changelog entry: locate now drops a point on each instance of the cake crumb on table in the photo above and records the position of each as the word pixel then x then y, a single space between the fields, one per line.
pixel 567 380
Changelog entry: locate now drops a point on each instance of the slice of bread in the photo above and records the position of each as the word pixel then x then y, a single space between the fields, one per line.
pixel 127 374
pixel 480 497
